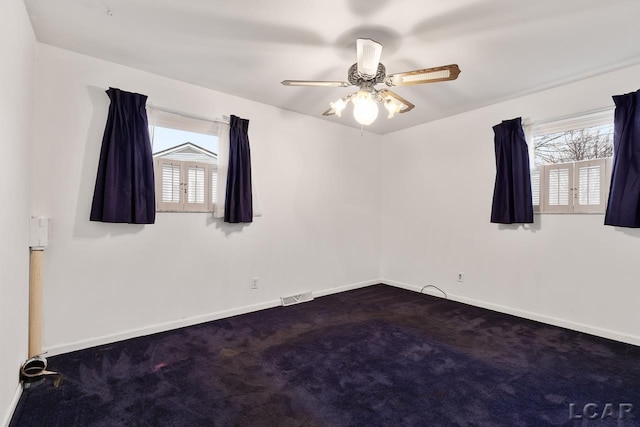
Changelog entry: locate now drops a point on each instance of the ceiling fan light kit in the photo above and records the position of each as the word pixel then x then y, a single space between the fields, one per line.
pixel 365 109
pixel 369 71
pixel 339 105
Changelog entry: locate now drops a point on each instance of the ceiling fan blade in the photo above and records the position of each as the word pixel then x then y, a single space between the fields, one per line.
pixel 426 75
pixel 389 95
pixel 319 83
pixel 369 53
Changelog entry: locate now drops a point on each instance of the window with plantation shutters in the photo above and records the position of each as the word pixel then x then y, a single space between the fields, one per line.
pixel 185 161
pixel 572 166
pixel 576 187
pixel 185 186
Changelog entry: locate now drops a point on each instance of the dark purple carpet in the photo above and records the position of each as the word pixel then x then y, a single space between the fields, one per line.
pixel 377 356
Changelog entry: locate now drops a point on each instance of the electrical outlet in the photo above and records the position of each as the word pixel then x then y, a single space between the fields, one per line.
pixel 460 277
pixel 254 283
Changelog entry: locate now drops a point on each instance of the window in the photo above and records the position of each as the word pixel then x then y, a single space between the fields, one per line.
pixel 185 162
pixel 572 163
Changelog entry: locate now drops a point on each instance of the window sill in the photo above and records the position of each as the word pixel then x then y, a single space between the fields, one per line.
pixel 568 213
pixel 185 212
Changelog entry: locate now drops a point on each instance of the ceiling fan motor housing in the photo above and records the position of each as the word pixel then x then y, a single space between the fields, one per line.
pixel 357 79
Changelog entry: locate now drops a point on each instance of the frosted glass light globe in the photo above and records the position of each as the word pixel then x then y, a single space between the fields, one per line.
pixel 392 107
pixel 365 109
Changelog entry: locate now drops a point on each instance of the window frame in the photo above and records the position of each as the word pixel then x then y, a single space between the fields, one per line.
pixel 160 117
pixel 575 122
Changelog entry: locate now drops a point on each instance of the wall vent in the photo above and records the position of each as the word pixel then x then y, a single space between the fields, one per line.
pixel 296 299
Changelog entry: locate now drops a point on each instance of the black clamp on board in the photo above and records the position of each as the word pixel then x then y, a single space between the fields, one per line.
pixel 34 371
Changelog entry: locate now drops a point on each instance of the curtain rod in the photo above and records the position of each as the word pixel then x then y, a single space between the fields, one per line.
pixel 224 119
pixel 528 122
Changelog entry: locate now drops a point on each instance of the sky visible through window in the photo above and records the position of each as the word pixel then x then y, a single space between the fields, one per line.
pixel 164 138
pixel 594 142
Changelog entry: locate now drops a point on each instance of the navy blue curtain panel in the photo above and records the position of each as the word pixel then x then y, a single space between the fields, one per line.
pixel 623 209
pixel 124 190
pixel 512 201
pixel 238 203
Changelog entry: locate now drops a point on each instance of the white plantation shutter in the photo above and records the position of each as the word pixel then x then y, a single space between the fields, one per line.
pixel 559 182
pixel 592 186
pixel 195 185
pixel 168 188
pixel 589 185
pixel 170 183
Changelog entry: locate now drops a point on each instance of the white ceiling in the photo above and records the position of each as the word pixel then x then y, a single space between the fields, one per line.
pixel 505 48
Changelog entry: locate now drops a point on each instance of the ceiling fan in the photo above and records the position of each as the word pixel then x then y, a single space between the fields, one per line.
pixel 367 72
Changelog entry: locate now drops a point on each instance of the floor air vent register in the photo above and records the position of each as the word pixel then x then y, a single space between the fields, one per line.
pixel 296 299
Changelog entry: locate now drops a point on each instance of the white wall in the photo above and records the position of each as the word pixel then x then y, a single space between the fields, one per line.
pixel 18 50
pixel 568 270
pixel 319 191
pixel 326 205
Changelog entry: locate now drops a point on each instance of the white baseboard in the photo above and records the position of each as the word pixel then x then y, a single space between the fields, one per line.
pixel 12 406
pixel 159 327
pixel 346 288
pixel 555 321
pixel 167 326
